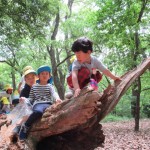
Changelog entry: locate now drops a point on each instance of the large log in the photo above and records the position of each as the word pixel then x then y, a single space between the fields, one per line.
pixel 74 124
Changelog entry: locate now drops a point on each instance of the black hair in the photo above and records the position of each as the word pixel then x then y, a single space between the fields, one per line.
pixel 82 44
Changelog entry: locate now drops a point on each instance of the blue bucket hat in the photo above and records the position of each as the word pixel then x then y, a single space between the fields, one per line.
pixel 43 68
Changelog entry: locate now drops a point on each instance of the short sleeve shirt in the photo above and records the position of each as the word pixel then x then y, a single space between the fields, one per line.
pixel 95 64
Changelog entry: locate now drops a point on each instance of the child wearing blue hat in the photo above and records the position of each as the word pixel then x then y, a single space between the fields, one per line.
pixel 41 97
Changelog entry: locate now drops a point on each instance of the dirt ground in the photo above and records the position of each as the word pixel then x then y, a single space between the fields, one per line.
pixel 119 136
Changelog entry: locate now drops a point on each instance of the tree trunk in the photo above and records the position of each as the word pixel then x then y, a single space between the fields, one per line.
pixel 137 110
pixel 74 124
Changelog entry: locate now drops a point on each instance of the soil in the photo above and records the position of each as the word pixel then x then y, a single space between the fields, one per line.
pixel 118 136
pixel 121 135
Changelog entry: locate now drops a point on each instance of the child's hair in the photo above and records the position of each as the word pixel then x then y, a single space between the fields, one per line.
pixel 82 44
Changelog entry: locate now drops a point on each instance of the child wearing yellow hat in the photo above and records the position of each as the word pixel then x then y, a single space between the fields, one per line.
pixel 22 80
pixel 6 105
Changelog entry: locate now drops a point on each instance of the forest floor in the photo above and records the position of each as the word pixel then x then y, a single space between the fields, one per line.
pixel 118 136
pixel 121 135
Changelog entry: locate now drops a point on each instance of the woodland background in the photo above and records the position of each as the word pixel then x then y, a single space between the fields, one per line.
pixel 39 32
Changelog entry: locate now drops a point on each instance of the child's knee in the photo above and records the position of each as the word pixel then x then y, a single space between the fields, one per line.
pixel 37 114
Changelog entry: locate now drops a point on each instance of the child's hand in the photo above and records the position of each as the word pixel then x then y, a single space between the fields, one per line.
pixel 77 92
pixel 22 99
pixel 58 100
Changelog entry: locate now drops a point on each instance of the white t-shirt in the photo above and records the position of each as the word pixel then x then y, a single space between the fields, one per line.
pixel 95 64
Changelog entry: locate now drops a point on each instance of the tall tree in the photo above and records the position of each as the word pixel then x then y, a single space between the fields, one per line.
pixel 120 24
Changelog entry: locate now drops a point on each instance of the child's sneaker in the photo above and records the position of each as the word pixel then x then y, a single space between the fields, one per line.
pixel 23 132
pixel 69 94
pixel 14 135
pixel 16 129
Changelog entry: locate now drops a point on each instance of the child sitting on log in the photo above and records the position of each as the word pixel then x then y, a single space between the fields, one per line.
pixel 30 80
pixel 40 97
pixel 85 68
pixel 5 105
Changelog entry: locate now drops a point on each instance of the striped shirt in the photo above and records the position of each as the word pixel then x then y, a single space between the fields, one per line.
pixel 42 94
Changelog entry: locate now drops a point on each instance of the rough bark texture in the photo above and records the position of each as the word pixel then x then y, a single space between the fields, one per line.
pixel 74 124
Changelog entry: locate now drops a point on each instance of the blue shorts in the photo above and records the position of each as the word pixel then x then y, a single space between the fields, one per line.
pixel 41 107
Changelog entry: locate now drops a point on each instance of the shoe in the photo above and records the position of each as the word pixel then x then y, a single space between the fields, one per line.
pixel 23 132
pixel 14 135
pixel 68 95
pixel 16 129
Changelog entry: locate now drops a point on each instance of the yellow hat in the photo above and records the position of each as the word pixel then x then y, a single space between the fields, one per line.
pixel 27 68
pixel 7 87
pixel 72 58
pixel 29 71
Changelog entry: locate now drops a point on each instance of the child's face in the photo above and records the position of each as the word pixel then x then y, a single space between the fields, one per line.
pixel 83 57
pixel 30 79
pixel 44 76
pixel 9 91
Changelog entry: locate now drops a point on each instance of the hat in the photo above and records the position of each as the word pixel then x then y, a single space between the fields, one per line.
pixel 27 68
pixel 72 58
pixel 29 71
pixel 44 68
pixel 8 87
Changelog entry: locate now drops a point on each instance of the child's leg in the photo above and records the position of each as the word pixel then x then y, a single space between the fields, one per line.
pixel 23 119
pixel 83 78
pixel 6 108
pixel 16 130
pixel 69 94
pixel 38 111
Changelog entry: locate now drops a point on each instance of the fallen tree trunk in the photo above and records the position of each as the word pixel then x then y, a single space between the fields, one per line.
pixel 74 124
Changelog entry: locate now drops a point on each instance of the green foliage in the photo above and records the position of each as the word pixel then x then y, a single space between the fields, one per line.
pixel 146 110
pixel 116 26
pixel 5 75
pixel 20 18
pixel 27 27
pixel 114 118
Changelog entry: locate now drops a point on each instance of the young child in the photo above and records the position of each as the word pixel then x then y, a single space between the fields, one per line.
pixel 22 81
pixel 40 97
pixel 30 79
pixel 85 66
pixel 6 105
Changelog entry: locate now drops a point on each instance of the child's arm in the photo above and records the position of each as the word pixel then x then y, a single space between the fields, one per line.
pixel 55 94
pixel 108 73
pixel 75 83
pixel 19 86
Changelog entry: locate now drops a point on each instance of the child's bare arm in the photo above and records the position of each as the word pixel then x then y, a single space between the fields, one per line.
pixel 75 83
pixel 19 86
pixel 108 73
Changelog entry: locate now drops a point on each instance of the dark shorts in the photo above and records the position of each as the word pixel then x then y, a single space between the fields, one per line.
pixel 15 101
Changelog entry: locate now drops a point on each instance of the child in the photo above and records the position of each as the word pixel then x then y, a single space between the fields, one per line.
pixel 85 66
pixel 40 97
pixel 22 81
pixel 6 105
pixel 30 78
